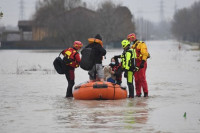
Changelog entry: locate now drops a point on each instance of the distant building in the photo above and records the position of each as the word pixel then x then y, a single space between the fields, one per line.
pixel 37 32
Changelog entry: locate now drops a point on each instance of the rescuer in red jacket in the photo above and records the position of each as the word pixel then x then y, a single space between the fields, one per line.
pixel 71 60
pixel 141 61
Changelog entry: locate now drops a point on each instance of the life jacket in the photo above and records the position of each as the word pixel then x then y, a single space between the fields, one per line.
pixel 69 57
pixel 115 68
pixel 92 40
pixel 138 46
pixel 129 64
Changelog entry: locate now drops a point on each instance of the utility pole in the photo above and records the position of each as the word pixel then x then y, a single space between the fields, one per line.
pixel 140 24
pixel 161 10
pixel 21 10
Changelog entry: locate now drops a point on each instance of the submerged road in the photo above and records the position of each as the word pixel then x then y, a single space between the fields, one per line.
pixel 32 95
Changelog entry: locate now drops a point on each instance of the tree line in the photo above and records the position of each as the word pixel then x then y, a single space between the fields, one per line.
pixel 186 24
pixel 65 22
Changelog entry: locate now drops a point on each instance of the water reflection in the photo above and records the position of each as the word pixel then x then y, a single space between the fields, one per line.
pixel 106 114
pixel 136 113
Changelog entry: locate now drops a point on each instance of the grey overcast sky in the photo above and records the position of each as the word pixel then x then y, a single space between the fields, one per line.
pixel 148 9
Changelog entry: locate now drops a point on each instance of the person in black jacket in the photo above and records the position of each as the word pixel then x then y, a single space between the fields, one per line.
pixel 96 73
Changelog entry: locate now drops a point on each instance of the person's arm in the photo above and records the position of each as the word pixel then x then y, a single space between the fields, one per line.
pixel 144 51
pixel 77 58
pixel 102 50
pixel 128 57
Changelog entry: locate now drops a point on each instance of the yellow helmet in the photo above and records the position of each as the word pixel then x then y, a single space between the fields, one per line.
pixel 125 43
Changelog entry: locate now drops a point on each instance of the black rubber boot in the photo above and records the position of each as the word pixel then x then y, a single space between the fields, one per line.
pixel 146 94
pixel 69 95
pixel 138 95
pixel 131 90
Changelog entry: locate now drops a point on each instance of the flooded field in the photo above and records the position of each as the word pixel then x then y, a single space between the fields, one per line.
pixel 32 95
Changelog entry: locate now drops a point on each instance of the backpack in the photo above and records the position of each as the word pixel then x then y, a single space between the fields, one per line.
pixel 59 65
pixel 87 59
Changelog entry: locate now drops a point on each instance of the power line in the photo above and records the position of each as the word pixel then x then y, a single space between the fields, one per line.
pixel 161 10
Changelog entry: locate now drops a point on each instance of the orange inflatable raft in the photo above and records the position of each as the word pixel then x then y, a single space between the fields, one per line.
pixel 99 91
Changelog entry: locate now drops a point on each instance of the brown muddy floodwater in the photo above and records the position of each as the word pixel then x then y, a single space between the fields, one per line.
pixel 32 95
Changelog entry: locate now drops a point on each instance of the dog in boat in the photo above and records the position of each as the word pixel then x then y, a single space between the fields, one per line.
pixel 107 74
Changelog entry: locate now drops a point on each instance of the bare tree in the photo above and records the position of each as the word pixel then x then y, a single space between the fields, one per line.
pixel 115 21
pixel 48 12
pixel 186 23
pixel 65 21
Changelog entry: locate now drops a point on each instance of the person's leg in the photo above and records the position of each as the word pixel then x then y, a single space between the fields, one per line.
pixel 70 78
pixel 110 80
pixel 137 84
pixel 91 74
pixel 100 72
pixel 130 84
pixel 143 80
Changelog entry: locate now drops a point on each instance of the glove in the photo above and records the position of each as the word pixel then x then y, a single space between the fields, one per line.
pixel 142 64
pixel 149 56
pixel 136 69
pixel 125 74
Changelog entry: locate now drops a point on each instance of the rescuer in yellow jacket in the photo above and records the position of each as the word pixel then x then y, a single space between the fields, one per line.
pixel 141 61
pixel 128 65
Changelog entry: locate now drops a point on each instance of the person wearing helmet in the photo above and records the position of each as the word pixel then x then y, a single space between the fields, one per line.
pixel 128 65
pixel 141 61
pixel 97 73
pixel 71 60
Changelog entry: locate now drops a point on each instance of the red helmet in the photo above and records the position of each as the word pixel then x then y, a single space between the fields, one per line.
pixel 78 45
pixel 131 37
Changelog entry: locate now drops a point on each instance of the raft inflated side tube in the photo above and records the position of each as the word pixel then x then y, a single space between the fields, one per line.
pixel 99 91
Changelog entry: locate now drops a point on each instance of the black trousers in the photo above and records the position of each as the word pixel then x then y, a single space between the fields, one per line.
pixel 70 76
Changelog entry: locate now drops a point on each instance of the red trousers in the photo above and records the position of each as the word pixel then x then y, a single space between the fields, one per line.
pixel 140 79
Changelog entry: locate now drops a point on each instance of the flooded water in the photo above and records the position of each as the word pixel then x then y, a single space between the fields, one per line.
pixel 32 95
